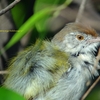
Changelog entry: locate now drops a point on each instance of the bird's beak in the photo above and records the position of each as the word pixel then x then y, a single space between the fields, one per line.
pixel 94 40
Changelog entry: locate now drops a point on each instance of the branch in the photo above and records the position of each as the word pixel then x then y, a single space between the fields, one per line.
pixel 81 9
pixel 3 72
pixel 89 90
pixel 95 66
pixel 9 7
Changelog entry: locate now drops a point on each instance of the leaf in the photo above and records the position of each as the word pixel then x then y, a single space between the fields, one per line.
pixel 18 14
pixel 6 94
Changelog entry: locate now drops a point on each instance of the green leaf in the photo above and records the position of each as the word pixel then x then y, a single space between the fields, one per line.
pixel 18 14
pixel 6 94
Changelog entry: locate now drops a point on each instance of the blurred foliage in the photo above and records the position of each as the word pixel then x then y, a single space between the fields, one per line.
pixel 41 25
pixel 43 10
pixel 6 94
pixel 18 14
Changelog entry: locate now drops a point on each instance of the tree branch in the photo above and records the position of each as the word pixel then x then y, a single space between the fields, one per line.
pixel 97 80
pixel 89 90
pixel 81 9
pixel 3 72
pixel 9 7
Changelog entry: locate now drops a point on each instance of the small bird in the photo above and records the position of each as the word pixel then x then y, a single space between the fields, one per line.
pixel 58 69
pixel 36 69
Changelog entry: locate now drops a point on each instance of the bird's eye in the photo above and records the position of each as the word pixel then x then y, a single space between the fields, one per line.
pixel 80 37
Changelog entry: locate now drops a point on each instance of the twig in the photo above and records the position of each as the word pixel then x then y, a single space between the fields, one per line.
pixel 89 90
pixel 9 7
pixel 95 66
pixel 3 72
pixel 81 9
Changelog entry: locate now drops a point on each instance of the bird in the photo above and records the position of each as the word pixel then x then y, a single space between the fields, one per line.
pixel 58 69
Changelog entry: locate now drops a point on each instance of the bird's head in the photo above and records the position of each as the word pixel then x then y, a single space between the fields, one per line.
pixel 73 38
